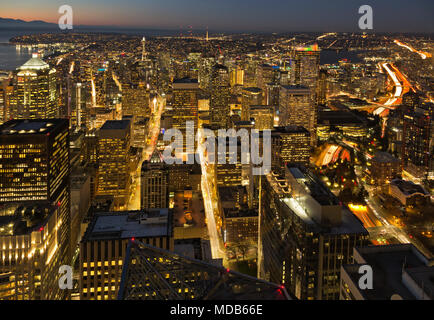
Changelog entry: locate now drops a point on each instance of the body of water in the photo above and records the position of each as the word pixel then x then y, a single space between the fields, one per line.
pixel 12 57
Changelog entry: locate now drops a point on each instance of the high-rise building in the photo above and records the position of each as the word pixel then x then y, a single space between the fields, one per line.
pixel 307 68
pixel 251 96
pixel 104 245
pixel 220 97
pixel 305 235
pixel 263 117
pixel 417 140
pixel 240 226
pixel 322 87
pixel 154 183
pixel 296 107
pixel 290 144
pixel 113 176
pixel 35 93
pixel 35 200
pixel 185 107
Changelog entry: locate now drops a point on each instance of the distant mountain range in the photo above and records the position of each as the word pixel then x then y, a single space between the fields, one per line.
pixel 18 23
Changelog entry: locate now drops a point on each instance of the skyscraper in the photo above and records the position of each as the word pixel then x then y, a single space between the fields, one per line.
pixel 307 68
pixel 220 97
pixel 417 140
pixel 297 108
pixel 35 92
pixel 306 235
pixel 290 144
pixel 185 107
pixel 35 199
pixel 113 176
pixel 251 96
pixel 154 183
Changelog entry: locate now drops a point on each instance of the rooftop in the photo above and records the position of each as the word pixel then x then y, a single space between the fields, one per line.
pixel 409 188
pixel 115 125
pixel 130 224
pixel 34 63
pixel 30 127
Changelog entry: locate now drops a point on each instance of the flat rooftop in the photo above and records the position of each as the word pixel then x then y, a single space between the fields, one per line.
pixel 130 224
pixel 30 127
pixel 115 125
pixel 388 263
pixel 316 188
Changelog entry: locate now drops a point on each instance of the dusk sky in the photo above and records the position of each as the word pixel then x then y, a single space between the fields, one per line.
pixel 233 15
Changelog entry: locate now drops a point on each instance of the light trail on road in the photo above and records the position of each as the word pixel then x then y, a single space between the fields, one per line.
pixel 422 54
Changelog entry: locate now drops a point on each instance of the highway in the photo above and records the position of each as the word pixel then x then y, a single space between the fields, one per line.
pixel 422 54
pixel 398 86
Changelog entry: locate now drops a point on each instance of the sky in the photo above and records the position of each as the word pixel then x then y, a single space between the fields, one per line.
pixel 233 15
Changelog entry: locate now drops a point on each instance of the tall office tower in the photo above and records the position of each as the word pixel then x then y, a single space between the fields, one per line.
pixel 314 237
pixel 307 68
pixel 35 92
pixel 104 245
pixel 147 271
pixel 206 64
pixel 265 74
pixel 417 140
pixel 35 204
pixel 113 176
pixel 263 117
pixel 290 144
pixel 297 108
pixel 251 96
pixel 400 272
pixel 185 107
pixel 250 67
pixel 220 97
pixel 237 76
pixel 272 91
pixel 78 106
pixel 135 100
pixel 322 87
pixel 154 183
pixel 230 174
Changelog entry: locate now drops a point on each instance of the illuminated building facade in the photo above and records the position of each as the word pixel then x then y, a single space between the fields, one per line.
pixel 417 138
pixel 290 144
pixel 296 107
pixel 220 97
pixel 185 106
pixel 35 93
pixel 307 68
pixel 305 235
pixel 263 117
pixel 35 202
pixel 104 244
pixel 240 226
pixel 113 176
pixel 154 183
pixel 384 168
pixel 251 96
